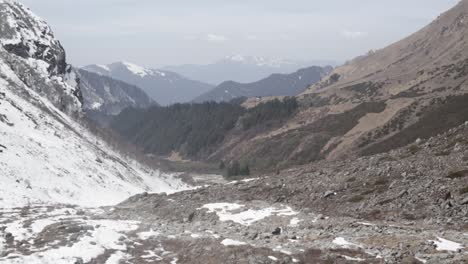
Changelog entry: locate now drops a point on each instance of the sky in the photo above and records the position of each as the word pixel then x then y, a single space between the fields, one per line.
pixel 154 33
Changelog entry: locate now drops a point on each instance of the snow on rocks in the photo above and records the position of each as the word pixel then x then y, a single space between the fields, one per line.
pixel 117 257
pixel 105 236
pixel 94 237
pixel 353 259
pixel 231 242
pixel 148 234
pixel 295 222
pixel 446 245
pixel 273 258
pixel 233 212
pixel 340 241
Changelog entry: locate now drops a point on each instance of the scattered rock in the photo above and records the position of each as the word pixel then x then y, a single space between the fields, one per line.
pixel 277 231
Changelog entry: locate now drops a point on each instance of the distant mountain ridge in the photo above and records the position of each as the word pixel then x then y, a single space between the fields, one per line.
pixel 104 97
pixel 274 85
pixel 243 69
pixel 164 87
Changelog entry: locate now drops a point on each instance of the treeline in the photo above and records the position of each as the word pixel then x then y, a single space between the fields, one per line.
pixel 272 111
pixel 235 169
pixel 188 128
pixel 194 130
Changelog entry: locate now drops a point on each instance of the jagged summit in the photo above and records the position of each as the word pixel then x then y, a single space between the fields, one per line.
pixel 30 50
pixel 28 36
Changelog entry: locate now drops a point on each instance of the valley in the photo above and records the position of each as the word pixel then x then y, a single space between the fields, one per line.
pixel 281 163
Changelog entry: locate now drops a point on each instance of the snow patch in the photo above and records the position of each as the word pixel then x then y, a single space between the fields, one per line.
pixel 105 236
pixel 148 234
pixel 231 242
pixel 340 241
pixel 420 259
pixel 135 69
pixel 295 222
pixel 117 258
pixel 353 259
pixel 273 258
pixel 446 245
pixel 232 212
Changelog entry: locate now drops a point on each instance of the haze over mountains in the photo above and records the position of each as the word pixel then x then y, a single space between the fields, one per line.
pixel 164 87
pixel 243 69
pixel 275 85
pixel 375 103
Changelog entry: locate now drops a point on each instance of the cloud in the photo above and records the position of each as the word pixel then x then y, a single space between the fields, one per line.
pixel 216 38
pixel 353 34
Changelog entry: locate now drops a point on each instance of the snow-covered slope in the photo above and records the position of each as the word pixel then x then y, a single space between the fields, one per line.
pixel 45 155
pixel 104 97
pixel 164 87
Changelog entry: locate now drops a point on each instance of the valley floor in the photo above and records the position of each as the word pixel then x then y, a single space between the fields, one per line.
pixel 406 206
pixel 201 227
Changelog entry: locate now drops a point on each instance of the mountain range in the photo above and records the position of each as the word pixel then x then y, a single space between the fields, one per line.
pixel 274 85
pixel 367 165
pixel 242 69
pixel 162 86
pixel 388 98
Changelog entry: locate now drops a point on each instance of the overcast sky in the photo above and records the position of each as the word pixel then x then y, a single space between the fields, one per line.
pixel 165 32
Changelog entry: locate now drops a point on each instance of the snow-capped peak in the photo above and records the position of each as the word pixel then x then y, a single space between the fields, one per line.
pixel 104 67
pixel 136 69
pixel 133 68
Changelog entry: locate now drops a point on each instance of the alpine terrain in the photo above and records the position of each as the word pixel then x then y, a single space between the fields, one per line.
pixel 242 69
pixel 104 97
pixel 274 85
pixel 367 165
pixel 162 86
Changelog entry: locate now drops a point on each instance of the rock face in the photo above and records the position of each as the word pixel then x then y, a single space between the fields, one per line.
pixel 274 85
pixel 30 49
pixel 163 87
pixel 47 154
pixel 104 96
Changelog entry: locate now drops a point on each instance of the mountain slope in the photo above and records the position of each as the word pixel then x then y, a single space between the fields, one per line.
pixel 104 97
pixel 46 156
pixel 242 69
pixel 110 96
pixel 274 85
pixel 164 87
pixel 415 88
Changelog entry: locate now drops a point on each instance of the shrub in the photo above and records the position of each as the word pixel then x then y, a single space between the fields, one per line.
pixel 413 149
pixel 464 190
pixel 356 199
pixel 458 174
pixel 271 111
pixel 236 169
